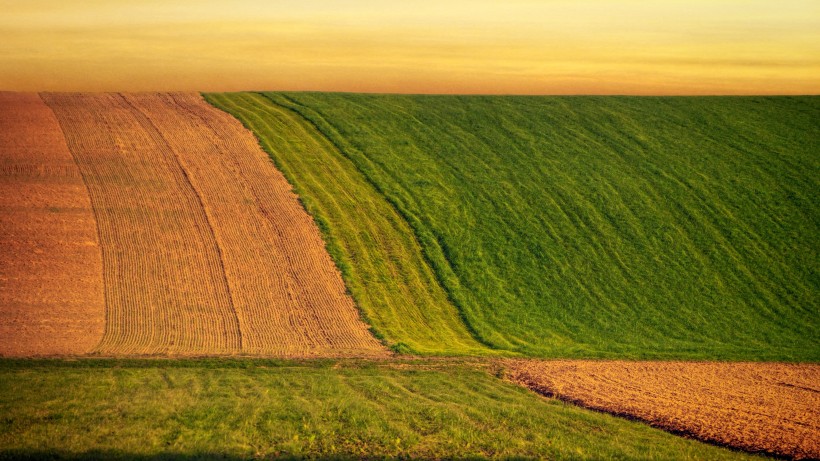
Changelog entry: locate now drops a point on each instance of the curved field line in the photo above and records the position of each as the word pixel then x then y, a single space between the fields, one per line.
pixel 374 246
pixel 166 290
pixel 603 226
pixel 51 277
pixel 759 407
pixel 290 296
pixel 210 229
pixel 206 249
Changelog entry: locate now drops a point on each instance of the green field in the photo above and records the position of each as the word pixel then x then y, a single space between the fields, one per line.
pixel 375 249
pixel 564 226
pixel 463 225
pixel 235 409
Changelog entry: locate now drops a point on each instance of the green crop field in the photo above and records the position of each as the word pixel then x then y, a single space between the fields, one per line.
pixel 564 226
pixel 242 409
pixel 380 259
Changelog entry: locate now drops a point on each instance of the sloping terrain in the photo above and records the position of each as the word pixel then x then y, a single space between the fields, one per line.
pixel 597 226
pixel 343 409
pixel 51 284
pixel 714 208
pixel 379 256
pixel 205 248
pixel 759 407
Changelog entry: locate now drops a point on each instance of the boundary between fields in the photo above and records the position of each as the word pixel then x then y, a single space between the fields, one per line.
pixel 329 243
pixel 682 432
pixel 106 308
pixel 330 133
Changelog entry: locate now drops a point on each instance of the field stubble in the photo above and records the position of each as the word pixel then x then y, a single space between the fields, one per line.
pixel 759 407
pixel 206 249
pixel 381 259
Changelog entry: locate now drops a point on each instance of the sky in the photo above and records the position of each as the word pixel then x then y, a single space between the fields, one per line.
pixel 652 47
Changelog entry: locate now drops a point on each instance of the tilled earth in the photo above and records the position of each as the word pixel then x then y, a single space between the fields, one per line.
pixel 760 407
pixel 153 223
pixel 51 276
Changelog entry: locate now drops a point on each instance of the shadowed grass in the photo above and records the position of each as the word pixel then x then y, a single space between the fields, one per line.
pixel 329 410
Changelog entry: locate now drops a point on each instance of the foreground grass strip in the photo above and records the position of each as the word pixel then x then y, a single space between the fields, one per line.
pixel 337 410
pixel 760 407
pixel 51 276
pixel 206 249
pixel 605 226
pixel 374 247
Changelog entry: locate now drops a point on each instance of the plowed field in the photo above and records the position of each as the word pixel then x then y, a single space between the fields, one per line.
pixel 380 256
pixel 768 407
pixel 51 286
pixel 206 250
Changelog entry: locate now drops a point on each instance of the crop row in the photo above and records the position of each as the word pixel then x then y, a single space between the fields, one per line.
pixel 205 247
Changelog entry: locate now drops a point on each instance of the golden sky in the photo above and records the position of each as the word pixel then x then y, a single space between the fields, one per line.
pixel 413 46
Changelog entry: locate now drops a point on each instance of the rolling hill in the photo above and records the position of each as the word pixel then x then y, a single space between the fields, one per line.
pixel 575 226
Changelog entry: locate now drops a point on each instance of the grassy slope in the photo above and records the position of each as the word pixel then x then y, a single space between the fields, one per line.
pixel 240 409
pixel 380 260
pixel 604 226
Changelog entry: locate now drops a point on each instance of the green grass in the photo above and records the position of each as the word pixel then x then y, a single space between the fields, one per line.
pixel 589 226
pixel 375 249
pixel 169 409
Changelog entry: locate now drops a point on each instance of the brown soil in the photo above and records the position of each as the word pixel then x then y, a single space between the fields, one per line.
pixel 768 407
pixel 206 249
pixel 51 286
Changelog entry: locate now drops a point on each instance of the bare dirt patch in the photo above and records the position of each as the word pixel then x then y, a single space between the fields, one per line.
pixel 760 407
pixel 51 284
pixel 206 249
